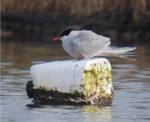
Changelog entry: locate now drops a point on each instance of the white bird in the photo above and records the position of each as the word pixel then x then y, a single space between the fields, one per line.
pixel 87 44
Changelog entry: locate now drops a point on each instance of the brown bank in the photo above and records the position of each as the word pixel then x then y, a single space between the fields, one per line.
pixel 120 20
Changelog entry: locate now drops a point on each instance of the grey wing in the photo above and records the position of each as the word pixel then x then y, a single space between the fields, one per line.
pixel 104 41
pixel 87 36
pixel 87 47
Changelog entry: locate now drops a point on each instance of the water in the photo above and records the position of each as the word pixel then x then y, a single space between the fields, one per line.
pixel 131 81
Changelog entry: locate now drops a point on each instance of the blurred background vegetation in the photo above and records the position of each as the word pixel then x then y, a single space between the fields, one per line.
pixel 125 21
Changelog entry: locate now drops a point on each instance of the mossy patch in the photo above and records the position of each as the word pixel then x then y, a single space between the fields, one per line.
pixel 96 81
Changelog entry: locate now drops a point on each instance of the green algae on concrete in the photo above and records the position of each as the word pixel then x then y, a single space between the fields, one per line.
pixel 97 83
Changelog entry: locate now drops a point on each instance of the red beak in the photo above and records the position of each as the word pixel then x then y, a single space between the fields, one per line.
pixel 55 39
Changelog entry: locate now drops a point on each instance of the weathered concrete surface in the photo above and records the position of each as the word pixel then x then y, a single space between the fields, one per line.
pixel 72 82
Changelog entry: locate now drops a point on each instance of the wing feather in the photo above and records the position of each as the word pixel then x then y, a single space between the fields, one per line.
pixel 88 43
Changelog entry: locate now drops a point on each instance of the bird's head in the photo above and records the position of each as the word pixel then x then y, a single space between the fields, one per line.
pixel 65 32
pixel 59 37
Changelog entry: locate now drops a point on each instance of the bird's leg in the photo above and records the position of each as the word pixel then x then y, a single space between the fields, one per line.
pixel 78 59
pixel 81 58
